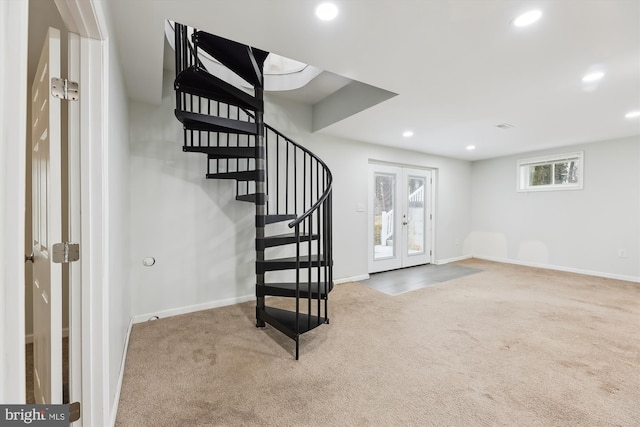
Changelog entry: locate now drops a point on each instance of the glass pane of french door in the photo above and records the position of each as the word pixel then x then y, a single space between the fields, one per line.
pixel 416 189
pixel 384 227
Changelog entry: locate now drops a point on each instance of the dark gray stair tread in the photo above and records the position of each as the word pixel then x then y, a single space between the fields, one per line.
pixel 240 176
pixel 248 197
pixel 223 152
pixel 283 239
pixel 272 219
pixel 285 321
pixel 234 55
pixel 288 289
pixel 204 122
pixel 289 263
pixel 197 81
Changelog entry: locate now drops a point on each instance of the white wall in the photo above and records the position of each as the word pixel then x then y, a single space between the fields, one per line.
pixel 579 230
pixel 201 237
pixel 116 182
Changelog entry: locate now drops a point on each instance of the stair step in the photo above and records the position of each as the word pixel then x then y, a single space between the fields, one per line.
pixel 289 263
pixel 288 289
pixel 251 198
pixel 272 219
pixel 285 321
pixel 223 152
pixel 282 239
pixel 197 81
pixel 245 61
pixel 250 175
pixel 204 122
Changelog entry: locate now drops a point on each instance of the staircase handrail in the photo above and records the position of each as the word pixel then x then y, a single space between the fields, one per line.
pixel 328 188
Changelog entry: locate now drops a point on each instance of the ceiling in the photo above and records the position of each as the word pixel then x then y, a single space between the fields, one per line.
pixel 459 67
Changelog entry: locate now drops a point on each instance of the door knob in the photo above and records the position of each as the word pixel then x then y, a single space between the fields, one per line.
pixel 29 257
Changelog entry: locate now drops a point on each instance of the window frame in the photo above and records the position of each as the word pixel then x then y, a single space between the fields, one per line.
pixel 524 167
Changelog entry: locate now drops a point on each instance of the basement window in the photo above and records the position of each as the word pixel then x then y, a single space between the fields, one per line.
pixel 549 173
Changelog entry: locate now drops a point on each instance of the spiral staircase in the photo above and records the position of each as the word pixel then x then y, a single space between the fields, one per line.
pixel 286 182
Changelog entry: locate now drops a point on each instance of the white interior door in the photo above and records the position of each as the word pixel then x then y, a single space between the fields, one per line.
pixel 47 226
pixel 400 217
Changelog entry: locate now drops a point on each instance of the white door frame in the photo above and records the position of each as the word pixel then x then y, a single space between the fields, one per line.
pixel 14 20
pixel 86 19
pixel 88 322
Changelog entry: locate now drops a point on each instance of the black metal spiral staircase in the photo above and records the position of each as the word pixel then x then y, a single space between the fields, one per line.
pixel 284 180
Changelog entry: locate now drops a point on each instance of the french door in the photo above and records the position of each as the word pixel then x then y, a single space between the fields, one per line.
pixel 400 217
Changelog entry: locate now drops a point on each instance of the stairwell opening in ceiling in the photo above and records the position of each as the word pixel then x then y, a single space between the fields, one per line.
pixel 333 97
pixel 280 73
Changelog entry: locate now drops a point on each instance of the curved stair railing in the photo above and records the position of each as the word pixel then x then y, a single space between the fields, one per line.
pixel 287 183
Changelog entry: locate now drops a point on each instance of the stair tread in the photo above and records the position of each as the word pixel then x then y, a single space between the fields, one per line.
pixel 283 239
pixel 249 175
pixel 287 235
pixel 223 152
pixel 205 122
pixel 272 219
pixel 197 81
pixel 287 320
pixel 288 289
pixel 251 197
pixel 234 55
pixel 303 258
pixel 289 263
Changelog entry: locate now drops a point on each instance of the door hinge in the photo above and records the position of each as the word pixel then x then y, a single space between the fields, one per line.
pixel 65 89
pixel 74 411
pixel 64 253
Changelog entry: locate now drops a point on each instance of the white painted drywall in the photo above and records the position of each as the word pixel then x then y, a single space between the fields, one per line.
pixel 202 239
pixel 116 213
pixel 575 230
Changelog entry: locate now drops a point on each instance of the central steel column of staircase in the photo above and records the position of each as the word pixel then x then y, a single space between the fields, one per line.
pixel 287 183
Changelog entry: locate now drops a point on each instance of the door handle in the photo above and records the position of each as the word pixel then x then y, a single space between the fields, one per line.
pixel 29 257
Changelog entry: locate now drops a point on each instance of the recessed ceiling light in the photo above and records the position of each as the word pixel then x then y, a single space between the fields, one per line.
pixel 407 134
pixel 471 147
pixel 592 77
pixel 327 11
pixel 527 18
pixel 632 114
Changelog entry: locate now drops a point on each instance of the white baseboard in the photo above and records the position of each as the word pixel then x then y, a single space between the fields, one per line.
pixel 28 338
pixel 561 268
pixel 454 259
pixel 218 303
pixel 351 279
pixel 116 399
pixel 191 308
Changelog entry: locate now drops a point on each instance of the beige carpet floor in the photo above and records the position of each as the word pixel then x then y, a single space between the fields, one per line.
pixel 509 346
